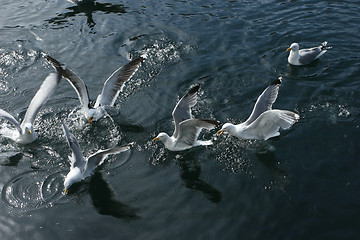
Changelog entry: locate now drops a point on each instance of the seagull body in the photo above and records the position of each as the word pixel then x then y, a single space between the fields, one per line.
pixel 305 56
pixel 111 89
pixel 24 133
pixel 187 128
pixel 264 122
pixel 80 167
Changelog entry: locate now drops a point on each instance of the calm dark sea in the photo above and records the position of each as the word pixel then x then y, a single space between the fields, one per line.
pixel 304 184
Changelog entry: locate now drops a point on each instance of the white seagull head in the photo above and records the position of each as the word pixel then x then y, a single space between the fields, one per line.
pixel 72 177
pixel 293 47
pixel 161 137
pixel 94 114
pixel 28 134
pixel 226 128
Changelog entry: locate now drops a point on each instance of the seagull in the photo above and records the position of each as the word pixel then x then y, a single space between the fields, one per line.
pixel 80 167
pixel 187 128
pixel 305 56
pixel 264 122
pixel 24 133
pixel 111 89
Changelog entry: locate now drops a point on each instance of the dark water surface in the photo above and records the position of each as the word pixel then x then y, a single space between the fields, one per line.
pixel 304 184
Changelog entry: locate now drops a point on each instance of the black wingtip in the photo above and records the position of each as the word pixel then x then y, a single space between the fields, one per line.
pixel 134 64
pixel 324 46
pixel 52 60
pixel 277 81
pixel 138 60
pixel 56 64
pixel 194 89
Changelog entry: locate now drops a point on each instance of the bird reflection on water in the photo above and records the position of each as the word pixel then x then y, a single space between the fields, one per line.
pixel 87 7
pixel 103 199
pixel 190 172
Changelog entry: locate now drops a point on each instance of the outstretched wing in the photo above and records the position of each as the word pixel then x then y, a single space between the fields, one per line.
pixel 268 124
pixel 182 110
pixel 98 158
pixel 77 159
pixel 190 129
pixel 78 84
pixel 7 116
pixel 47 88
pixel 265 101
pixel 114 84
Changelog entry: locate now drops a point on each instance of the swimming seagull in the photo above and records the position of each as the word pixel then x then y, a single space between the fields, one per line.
pixel 264 122
pixel 80 167
pixel 187 128
pixel 24 133
pixel 111 89
pixel 305 56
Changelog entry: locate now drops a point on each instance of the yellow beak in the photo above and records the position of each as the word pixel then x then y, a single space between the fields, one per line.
pixel 30 131
pixel 66 191
pixel 90 120
pixel 155 139
pixel 220 132
pixel 288 49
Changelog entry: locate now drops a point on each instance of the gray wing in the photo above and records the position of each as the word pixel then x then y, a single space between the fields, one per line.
pixel 98 158
pixel 265 101
pixel 78 84
pixel 7 116
pixel 268 124
pixel 77 159
pixel 190 129
pixel 47 88
pixel 182 110
pixel 114 84
pixel 309 55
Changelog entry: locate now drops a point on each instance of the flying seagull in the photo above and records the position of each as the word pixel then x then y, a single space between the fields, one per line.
pixel 264 122
pixel 24 133
pixel 111 89
pixel 307 55
pixel 80 167
pixel 187 128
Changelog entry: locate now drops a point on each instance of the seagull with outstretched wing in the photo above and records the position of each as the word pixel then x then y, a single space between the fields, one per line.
pixel 81 167
pixel 187 128
pixel 24 132
pixel 110 91
pixel 264 122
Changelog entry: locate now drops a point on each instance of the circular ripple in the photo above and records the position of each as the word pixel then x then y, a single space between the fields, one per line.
pixel 52 188
pixel 33 190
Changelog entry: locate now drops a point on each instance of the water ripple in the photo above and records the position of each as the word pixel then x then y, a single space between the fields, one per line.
pixel 33 190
